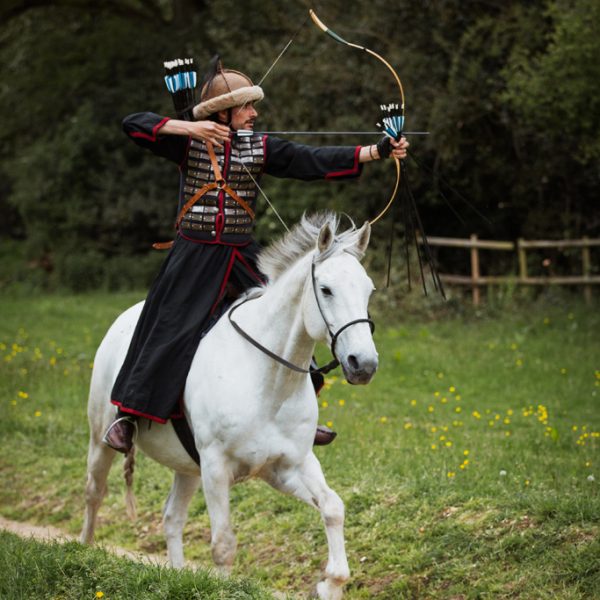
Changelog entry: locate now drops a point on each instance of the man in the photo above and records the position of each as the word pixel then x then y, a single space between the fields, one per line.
pixel 213 258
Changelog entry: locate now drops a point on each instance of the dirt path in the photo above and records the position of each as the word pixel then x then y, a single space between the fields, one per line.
pixel 47 533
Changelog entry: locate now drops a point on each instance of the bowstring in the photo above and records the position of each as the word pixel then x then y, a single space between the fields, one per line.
pixel 264 195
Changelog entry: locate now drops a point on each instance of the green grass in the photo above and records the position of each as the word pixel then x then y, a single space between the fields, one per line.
pixel 469 466
pixel 69 571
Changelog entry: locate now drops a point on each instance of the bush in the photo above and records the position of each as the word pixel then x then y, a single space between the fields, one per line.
pixel 80 271
pixel 132 272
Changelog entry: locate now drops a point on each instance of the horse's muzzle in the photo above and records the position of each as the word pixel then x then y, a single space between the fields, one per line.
pixel 359 371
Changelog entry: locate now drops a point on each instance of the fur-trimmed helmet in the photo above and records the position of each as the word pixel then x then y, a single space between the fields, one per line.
pixel 223 89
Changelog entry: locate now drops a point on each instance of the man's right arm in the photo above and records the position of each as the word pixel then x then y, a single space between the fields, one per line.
pixel 147 130
pixel 168 137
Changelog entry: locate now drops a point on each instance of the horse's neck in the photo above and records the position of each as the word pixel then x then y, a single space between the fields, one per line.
pixel 275 318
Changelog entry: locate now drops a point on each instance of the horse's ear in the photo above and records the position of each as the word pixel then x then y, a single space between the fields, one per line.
pixel 364 235
pixel 325 238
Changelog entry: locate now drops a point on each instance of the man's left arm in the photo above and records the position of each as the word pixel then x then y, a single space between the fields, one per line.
pixel 299 161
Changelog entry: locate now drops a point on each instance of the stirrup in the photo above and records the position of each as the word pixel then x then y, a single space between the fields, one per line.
pixel 106 438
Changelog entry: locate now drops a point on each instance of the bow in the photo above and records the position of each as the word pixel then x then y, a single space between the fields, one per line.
pixel 392 125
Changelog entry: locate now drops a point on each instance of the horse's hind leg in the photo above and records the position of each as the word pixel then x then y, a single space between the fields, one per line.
pixel 175 515
pixel 307 483
pixel 100 459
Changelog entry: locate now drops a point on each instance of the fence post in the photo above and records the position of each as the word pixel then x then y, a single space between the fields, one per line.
pixel 522 260
pixel 586 269
pixel 475 270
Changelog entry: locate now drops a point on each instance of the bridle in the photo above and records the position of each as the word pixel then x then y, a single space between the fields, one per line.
pixel 334 336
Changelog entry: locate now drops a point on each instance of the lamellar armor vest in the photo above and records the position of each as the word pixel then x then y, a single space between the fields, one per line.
pixel 216 216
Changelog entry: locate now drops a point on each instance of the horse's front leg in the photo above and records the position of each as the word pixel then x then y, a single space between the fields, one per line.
pixel 307 482
pixel 216 483
pixel 175 515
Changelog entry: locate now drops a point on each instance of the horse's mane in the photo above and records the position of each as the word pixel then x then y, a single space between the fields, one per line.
pixel 301 239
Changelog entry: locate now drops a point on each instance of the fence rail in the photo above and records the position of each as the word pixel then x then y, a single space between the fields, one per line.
pixel 476 280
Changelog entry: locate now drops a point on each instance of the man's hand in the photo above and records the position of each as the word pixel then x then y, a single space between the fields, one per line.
pixel 209 131
pixel 399 148
pixel 205 131
pixel 387 147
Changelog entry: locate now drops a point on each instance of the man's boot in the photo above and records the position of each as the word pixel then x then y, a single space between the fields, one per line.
pixel 324 436
pixel 119 436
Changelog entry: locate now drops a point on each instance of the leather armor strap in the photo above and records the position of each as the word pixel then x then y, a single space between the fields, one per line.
pixel 193 200
pixel 215 163
pixel 223 184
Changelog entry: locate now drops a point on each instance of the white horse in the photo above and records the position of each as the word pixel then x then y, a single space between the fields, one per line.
pixel 250 414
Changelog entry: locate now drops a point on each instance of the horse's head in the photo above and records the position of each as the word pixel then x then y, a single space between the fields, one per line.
pixel 336 303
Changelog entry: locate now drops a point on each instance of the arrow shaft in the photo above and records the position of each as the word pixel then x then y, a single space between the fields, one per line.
pixel 248 132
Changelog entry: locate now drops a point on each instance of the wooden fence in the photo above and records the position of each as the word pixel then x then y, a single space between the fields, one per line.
pixel 476 281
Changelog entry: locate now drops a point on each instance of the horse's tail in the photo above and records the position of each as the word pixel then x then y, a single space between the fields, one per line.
pixel 128 468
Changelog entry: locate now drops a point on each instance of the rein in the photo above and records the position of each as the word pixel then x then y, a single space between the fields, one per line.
pixel 286 363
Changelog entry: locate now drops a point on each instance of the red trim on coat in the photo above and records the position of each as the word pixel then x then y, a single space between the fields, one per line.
pixel 224 282
pixel 187 152
pixel 138 413
pixel 241 258
pixel 220 218
pixel 264 140
pixel 353 171
pixel 151 138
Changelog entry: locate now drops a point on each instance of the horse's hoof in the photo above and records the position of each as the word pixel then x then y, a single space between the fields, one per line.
pixel 327 591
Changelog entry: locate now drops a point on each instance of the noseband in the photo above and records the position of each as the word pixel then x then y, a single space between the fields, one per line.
pixel 334 336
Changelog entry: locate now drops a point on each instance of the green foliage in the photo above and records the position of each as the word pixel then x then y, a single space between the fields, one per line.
pixel 557 85
pixel 507 90
pixel 469 466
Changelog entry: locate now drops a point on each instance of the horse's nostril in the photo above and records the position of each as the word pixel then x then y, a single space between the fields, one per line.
pixel 353 361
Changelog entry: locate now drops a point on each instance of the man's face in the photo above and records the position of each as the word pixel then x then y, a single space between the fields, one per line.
pixel 243 117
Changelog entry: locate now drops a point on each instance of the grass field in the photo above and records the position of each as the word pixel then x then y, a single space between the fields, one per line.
pixel 469 466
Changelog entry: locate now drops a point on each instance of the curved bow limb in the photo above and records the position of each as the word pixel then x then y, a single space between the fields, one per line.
pixel 341 40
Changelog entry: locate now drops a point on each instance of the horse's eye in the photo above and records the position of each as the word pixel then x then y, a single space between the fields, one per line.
pixel 326 291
